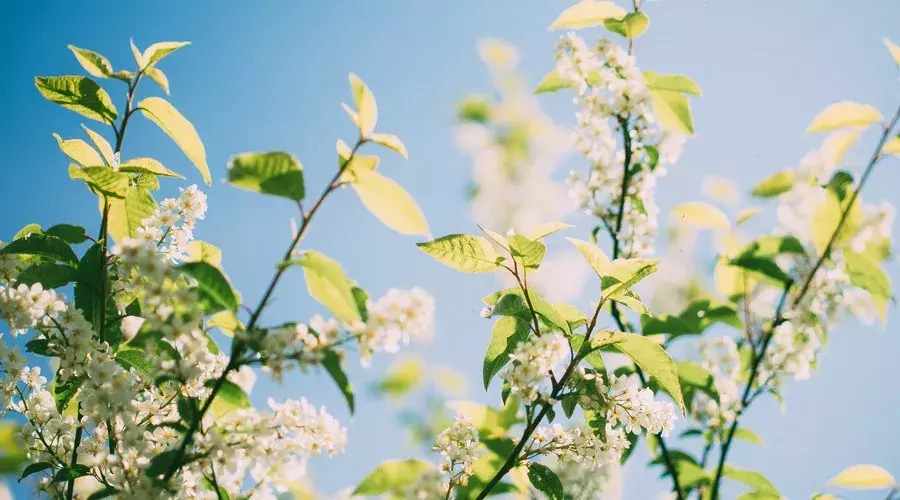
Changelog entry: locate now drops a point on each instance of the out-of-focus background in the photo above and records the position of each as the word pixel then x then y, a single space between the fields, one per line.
pixel 272 75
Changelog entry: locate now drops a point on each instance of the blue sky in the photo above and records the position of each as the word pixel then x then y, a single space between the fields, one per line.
pixel 271 76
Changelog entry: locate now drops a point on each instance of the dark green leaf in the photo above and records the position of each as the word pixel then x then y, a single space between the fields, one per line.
pixel 44 245
pixel 545 481
pixel 507 333
pixel 35 468
pixel 72 472
pixel 332 364
pixel 48 274
pixel 215 292
pixel 78 93
pixel 68 232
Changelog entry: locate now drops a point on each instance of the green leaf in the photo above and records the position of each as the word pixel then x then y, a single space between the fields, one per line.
pixel 751 478
pixel 551 82
pixel 103 180
pixel 79 94
pixel 633 25
pixel 529 253
pixel 402 377
pixel 391 142
pixel 696 317
pixel 595 256
pixel 65 392
pixel 230 397
pixel 28 229
pixel 70 473
pixel 164 115
pixel 327 283
pixel 587 13
pixel 214 290
pixel 594 358
pixel 673 82
pixel 844 114
pixel 466 253
pixel 159 50
pixel 694 377
pixel 159 77
pixel 765 267
pixel 507 333
pixel 34 469
pixel 68 232
pixel 92 62
pixel 127 215
pixel 545 480
pixel 138 359
pixel 367 110
pixel 624 274
pixel 511 302
pixel 276 173
pixel 745 434
pixel 775 184
pixel 48 274
pixel 651 358
pixel 827 218
pixel 673 111
pixel 391 475
pixel 202 251
pixel 389 202
pixel 43 245
pixel 867 274
pixel 863 477
pixel 148 166
pixel 332 363
pixel 701 215
pixel 161 463
pixel 79 151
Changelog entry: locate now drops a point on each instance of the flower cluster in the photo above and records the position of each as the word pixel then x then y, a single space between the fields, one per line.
pixel 429 485
pixel 10 266
pixel 720 357
pixel 171 226
pixel 580 444
pixel 397 318
pixel 25 307
pixel 613 100
pixel 458 446
pixel 532 363
pixel 623 400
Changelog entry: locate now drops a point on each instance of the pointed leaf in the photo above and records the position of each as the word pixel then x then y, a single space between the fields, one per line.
pixel 328 284
pixel 79 94
pixel 79 151
pixel 275 173
pixel 215 292
pixel 391 142
pixel 391 475
pixel 844 114
pixel 587 13
pixel 366 108
pixel 390 203
pixel 163 114
pixel 863 477
pixel 466 253
pixel 92 62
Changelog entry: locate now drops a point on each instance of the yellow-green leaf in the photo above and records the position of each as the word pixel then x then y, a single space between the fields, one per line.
pixel 159 77
pixel 79 94
pixel 226 321
pixel 147 166
pixel 366 108
pixel 587 13
pixel 79 151
pixel 633 25
pixel 775 184
pixel 201 251
pixel 389 202
pixel 276 173
pixel 106 150
pixel 844 114
pixel 545 229
pixel 673 82
pixel 702 215
pixel 327 283
pixel 466 253
pixel 102 180
pixel 138 55
pixel 651 358
pixel 595 256
pixel 894 50
pixel 92 62
pixel 863 477
pixel 391 142
pixel 673 110
pixel 173 123
pixel 552 82
pixel 837 143
pixel 391 475
pixel 127 215
pixel 157 51
pixel 892 146
pixel 746 214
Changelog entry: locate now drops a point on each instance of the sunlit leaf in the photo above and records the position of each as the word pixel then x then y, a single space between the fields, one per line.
pixel 673 110
pixel 275 173
pixel 79 94
pixel 673 82
pixel 391 142
pixel 92 62
pixel 466 253
pixel 366 109
pixel 391 475
pixel 894 49
pixel 587 13
pixel 507 333
pixel 551 82
pixel 171 121
pixel 775 184
pixel 148 166
pixel 863 477
pixel 214 290
pixel 79 151
pixel 844 114
pixel 701 215
pixel 545 480
pixel 127 215
pixel 633 25
pixel 327 283
pixel 390 203
pixel 159 77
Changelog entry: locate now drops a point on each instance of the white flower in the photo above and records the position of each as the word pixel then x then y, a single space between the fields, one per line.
pixel 532 362
pixel 458 445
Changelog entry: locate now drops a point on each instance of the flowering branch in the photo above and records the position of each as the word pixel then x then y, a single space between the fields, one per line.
pixel 238 347
pixel 747 398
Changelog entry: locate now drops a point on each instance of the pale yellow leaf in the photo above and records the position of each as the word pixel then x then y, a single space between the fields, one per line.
pixel 701 215
pixel 365 105
pixel 837 143
pixel 894 49
pixel 844 114
pixel 587 13
pixel 106 150
pixel 389 202
pixel 391 142
pixel 863 477
pixel 892 146
pixel 79 151
pixel 182 131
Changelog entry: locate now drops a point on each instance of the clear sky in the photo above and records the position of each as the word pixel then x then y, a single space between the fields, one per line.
pixel 271 75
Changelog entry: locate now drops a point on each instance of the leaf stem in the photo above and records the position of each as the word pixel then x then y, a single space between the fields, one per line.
pixel 746 399
pixel 238 347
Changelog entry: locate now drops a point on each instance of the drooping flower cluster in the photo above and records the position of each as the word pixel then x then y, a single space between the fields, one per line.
pixel 532 363
pixel 580 444
pixel 458 445
pixel 613 101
